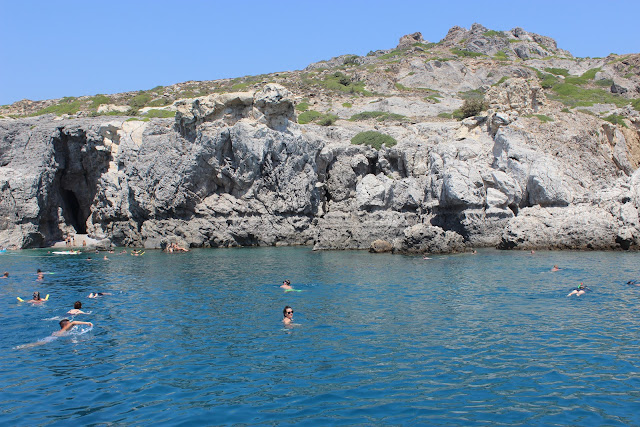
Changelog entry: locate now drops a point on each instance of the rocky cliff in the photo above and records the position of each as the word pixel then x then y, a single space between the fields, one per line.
pixel 536 168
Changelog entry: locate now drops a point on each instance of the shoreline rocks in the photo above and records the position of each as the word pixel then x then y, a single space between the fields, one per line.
pixel 237 170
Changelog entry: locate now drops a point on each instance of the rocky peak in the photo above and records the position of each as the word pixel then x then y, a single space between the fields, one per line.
pixel 516 43
pixel 410 39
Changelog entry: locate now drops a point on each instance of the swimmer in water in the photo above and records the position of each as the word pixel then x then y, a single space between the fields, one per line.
pixel 288 316
pixel 76 309
pixel 634 282
pixel 286 285
pixel 98 294
pixel 5 275
pixel 555 268
pixel 580 290
pixel 66 325
pixel 40 274
pixel 36 299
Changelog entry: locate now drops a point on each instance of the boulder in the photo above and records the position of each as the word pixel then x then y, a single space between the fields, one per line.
pixel 421 238
pixel 380 246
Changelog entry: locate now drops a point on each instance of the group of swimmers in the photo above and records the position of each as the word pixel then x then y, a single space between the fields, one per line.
pixel 66 324
pixel 287 312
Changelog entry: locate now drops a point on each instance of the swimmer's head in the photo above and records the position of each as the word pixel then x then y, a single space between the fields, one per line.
pixel 39 271
pixel 63 323
pixel 287 282
pixel 6 274
pixel 36 295
pixel 77 305
pixel 287 310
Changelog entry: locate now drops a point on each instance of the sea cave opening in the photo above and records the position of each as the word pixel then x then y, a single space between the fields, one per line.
pixel 73 213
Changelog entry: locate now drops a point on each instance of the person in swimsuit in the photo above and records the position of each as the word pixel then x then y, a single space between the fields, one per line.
pixel 40 274
pixel 286 285
pixel 555 268
pixel 580 290
pixel 76 309
pixel 66 325
pixel 5 275
pixel 288 316
pixel 98 294
pixel 36 299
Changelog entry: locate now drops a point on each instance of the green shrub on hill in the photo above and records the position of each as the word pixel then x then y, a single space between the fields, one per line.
pixel 308 116
pixel 501 56
pixel 543 118
pixel 343 83
pixel 163 114
pixel 327 119
pixel 378 115
pixel 98 100
pixel 466 53
pixel 67 105
pixel 558 71
pixel 303 106
pixel 373 139
pixel 616 120
pixel 471 107
pixel 139 101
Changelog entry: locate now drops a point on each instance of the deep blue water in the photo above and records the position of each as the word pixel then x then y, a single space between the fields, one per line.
pixel 197 339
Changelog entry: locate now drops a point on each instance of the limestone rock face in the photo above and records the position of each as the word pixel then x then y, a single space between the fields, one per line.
pixel 523 96
pixel 429 239
pixel 236 169
pixel 380 246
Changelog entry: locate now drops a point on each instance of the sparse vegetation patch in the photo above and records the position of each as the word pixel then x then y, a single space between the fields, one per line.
pixel 374 139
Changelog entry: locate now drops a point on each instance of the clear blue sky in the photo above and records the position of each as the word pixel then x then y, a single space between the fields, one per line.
pixel 55 48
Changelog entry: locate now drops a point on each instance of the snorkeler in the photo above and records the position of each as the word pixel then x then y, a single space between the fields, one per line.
pixel 580 290
pixel 286 285
pixel 98 294
pixel 76 309
pixel 288 315
pixel 36 299
pixel 66 325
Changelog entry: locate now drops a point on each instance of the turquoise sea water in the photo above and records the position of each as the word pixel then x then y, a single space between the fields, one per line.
pixel 197 339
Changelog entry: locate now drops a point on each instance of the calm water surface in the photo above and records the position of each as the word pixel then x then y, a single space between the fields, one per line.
pixel 196 338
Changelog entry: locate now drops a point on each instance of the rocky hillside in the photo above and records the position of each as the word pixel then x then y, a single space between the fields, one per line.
pixel 485 138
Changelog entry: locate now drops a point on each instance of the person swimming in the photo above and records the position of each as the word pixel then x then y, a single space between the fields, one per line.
pixel 40 274
pixel 286 285
pixel 66 325
pixel 37 299
pixel 556 268
pixel 287 316
pixel 98 294
pixel 76 309
pixel 634 282
pixel 578 291
pixel 5 275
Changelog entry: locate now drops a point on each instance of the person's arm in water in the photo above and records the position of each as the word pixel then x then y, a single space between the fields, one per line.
pixel 69 325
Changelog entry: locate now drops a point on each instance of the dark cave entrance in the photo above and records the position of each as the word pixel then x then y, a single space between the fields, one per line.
pixel 74 215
